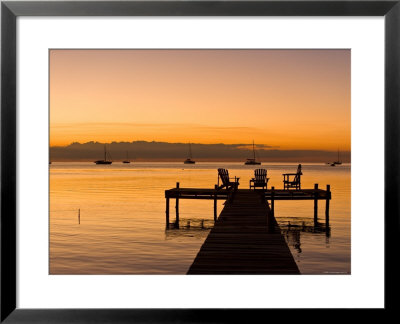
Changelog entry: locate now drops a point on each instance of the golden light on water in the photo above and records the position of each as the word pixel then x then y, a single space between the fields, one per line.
pixel 122 217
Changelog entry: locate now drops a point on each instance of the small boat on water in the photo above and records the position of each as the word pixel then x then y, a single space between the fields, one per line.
pixel 338 162
pixel 252 161
pixel 105 161
pixel 127 158
pixel 189 159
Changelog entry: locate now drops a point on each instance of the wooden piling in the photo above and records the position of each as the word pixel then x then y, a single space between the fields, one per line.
pixel 215 210
pixel 177 209
pixel 177 213
pixel 328 196
pixel 316 203
pixel 272 201
pixel 215 204
pixel 167 212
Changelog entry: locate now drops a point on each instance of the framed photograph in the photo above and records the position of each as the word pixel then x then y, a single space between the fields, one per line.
pixel 173 161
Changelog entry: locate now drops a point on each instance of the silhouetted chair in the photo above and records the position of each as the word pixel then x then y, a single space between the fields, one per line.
pixel 294 182
pixel 260 179
pixel 226 183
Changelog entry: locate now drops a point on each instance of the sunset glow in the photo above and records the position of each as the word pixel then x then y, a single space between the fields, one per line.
pixel 286 99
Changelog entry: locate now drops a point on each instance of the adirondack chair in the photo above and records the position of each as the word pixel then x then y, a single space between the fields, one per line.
pixel 294 182
pixel 260 179
pixel 224 175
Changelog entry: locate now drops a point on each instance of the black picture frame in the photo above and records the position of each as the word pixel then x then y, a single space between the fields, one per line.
pixel 10 10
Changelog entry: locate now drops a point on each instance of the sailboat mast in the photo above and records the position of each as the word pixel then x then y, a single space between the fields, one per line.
pixel 190 151
pixel 105 153
pixel 254 152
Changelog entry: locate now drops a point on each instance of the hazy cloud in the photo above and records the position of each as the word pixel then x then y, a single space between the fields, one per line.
pixel 143 150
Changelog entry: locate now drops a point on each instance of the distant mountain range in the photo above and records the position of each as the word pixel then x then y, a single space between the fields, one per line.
pixel 163 151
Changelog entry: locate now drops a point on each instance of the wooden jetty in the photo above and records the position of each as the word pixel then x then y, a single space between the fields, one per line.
pixel 245 239
pixel 271 195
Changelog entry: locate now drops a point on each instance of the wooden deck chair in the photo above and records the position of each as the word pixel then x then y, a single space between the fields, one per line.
pixel 260 179
pixel 294 182
pixel 226 183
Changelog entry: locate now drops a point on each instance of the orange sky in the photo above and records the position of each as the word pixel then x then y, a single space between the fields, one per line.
pixel 288 99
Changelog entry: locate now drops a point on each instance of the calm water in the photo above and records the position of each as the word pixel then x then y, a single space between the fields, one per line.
pixel 122 217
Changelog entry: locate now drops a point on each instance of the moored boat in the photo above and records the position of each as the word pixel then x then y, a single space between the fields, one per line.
pixel 252 161
pixel 189 159
pixel 127 158
pixel 105 161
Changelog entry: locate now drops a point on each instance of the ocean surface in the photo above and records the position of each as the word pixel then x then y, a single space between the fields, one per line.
pixel 110 219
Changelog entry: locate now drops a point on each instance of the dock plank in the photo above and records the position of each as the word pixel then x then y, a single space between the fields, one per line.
pixel 245 239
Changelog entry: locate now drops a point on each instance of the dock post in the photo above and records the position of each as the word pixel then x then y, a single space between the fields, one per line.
pixel 167 212
pixel 177 208
pixel 328 196
pixel 215 203
pixel 272 201
pixel 315 204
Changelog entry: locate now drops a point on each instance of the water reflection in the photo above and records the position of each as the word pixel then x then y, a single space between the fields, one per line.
pixel 293 229
pixel 194 227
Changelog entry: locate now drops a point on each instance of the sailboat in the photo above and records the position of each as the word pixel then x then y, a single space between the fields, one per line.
pixel 127 158
pixel 253 160
pixel 338 162
pixel 189 159
pixel 105 158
